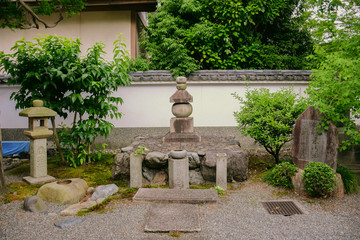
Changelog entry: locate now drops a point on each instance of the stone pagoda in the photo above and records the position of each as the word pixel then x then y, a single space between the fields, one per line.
pixel 181 126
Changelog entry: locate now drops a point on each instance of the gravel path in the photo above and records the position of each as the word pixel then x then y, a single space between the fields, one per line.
pixel 238 215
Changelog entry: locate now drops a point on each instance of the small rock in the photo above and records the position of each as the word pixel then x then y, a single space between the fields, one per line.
pixel 156 160
pixel 100 200
pixel 194 160
pixel 121 166
pixel 127 149
pixel 159 179
pixel 34 204
pixel 339 191
pixel 72 210
pixel 201 154
pixel 104 191
pixel 90 190
pixel 148 174
pixel 195 177
pixel 64 223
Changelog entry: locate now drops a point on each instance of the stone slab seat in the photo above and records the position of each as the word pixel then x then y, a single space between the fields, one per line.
pixel 192 196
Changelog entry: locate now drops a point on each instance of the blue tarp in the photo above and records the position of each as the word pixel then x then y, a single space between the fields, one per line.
pixel 15 147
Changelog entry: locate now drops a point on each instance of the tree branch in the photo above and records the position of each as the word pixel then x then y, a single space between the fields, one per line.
pixel 37 19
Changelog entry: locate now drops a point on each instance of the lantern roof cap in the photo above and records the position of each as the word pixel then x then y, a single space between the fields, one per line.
pixel 38 110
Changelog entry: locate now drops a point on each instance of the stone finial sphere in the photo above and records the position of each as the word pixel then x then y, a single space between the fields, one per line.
pixel 181 80
pixel 38 103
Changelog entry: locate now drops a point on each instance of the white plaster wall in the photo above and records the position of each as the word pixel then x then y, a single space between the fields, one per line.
pixel 90 27
pixel 148 104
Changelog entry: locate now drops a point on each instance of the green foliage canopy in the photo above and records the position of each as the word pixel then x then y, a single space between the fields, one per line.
pixel 187 35
pixel 26 14
pixel 335 88
pixel 269 117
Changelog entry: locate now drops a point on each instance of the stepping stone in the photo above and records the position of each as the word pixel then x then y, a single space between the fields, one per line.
pixel 173 217
pixel 194 196
pixel 64 223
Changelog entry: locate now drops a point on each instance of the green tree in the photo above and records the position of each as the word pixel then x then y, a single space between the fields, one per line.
pixel 52 69
pixel 269 117
pixel 27 14
pixel 187 35
pixel 335 88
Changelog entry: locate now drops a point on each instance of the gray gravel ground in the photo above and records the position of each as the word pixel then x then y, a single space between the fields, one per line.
pixel 238 215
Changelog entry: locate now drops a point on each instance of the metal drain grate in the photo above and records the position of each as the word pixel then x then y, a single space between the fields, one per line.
pixel 286 208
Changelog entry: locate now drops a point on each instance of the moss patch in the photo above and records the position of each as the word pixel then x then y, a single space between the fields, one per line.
pixel 94 173
pixel 122 194
pixel 19 191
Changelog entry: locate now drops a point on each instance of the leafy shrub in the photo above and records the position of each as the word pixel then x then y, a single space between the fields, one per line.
pixel 280 175
pixel 349 179
pixel 139 64
pixel 269 117
pixel 319 179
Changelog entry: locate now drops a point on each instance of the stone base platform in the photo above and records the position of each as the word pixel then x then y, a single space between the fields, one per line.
pixel 193 196
pixel 182 137
pixel 39 180
pixel 173 217
pixel 208 143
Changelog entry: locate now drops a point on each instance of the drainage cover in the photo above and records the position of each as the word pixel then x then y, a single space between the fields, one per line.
pixel 286 208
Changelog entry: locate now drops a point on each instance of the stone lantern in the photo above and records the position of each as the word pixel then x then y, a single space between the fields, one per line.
pixel 38 132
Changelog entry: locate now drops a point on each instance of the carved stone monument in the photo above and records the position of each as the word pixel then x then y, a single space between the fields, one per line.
pixel 181 126
pixel 38 132
pixel 309 145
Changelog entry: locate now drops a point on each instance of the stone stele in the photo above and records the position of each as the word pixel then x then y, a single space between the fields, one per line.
pixel 309 146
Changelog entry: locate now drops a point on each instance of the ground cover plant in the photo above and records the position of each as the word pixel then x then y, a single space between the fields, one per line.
pixel 269 117
pixel 51 69
pixel 319 179
pixel 280 175
pixel 349 179
pixel 94 173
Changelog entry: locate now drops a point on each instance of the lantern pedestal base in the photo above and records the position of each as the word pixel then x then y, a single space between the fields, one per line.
pixel 38 180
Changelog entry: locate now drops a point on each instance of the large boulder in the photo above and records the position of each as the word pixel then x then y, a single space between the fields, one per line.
pixel 237 165
pixel 63 191
pixel 34 204
pixel 156 160
pixel 121 168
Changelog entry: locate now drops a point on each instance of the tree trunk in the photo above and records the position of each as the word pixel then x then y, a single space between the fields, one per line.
pixel 56 138
pixel 2 174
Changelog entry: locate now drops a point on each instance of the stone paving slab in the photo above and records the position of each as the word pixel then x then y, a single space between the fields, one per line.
pixel 193 196
pixel 173 217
